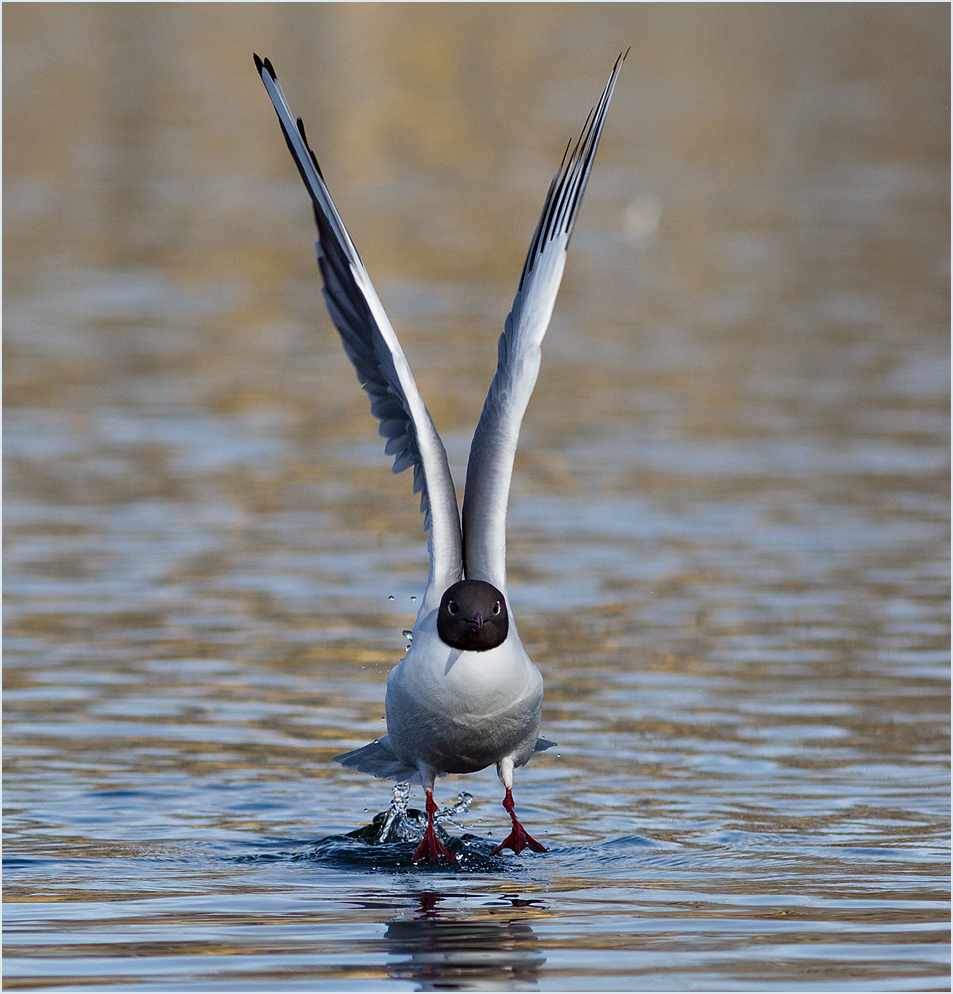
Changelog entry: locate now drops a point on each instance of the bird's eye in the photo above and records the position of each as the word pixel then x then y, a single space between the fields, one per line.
pixel 452 607
pixel 496 608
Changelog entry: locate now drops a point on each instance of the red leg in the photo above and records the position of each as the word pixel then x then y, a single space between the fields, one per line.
pixel 518 839
pixel 431 849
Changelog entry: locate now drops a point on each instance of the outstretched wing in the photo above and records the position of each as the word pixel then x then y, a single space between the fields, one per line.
pixel 372 346
pixel 494 442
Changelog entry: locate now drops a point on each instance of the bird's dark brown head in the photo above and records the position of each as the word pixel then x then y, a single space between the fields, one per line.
pixel 473 616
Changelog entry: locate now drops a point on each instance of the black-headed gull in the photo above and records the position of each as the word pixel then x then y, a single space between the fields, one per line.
pixel 466 695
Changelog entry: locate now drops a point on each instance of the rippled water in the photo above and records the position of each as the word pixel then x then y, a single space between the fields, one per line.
pixel 729 531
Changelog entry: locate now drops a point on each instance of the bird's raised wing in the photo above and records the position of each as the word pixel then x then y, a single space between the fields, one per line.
pixel 372 346
pixel 494 442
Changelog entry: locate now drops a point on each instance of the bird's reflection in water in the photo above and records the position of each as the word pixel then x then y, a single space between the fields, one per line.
pixel 449 950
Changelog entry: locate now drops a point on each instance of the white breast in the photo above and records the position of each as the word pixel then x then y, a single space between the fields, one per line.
pixel 458 711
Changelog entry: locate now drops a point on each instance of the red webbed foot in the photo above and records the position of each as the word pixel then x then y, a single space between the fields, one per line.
pixel 431 849
pixel 518 839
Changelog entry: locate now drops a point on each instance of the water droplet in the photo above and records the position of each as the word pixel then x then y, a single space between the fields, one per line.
pixel 408 634
pixel 461 807
pixel 413 597
pixel 390 597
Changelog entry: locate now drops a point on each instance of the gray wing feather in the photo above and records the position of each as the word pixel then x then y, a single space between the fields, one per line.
pixel 494 443
pixel 373 348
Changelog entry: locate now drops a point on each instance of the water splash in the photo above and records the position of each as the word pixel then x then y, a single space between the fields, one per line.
pixel 397 826
pixel 402 824
pixel 460 807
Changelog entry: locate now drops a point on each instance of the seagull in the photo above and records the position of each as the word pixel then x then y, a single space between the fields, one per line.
pixel 466 695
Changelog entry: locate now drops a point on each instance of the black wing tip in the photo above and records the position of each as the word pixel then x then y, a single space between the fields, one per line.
pixel 265 66
pixel 304 138
pixel 562 202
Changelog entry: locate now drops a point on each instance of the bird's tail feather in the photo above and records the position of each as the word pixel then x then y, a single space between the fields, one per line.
pixel 379 760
